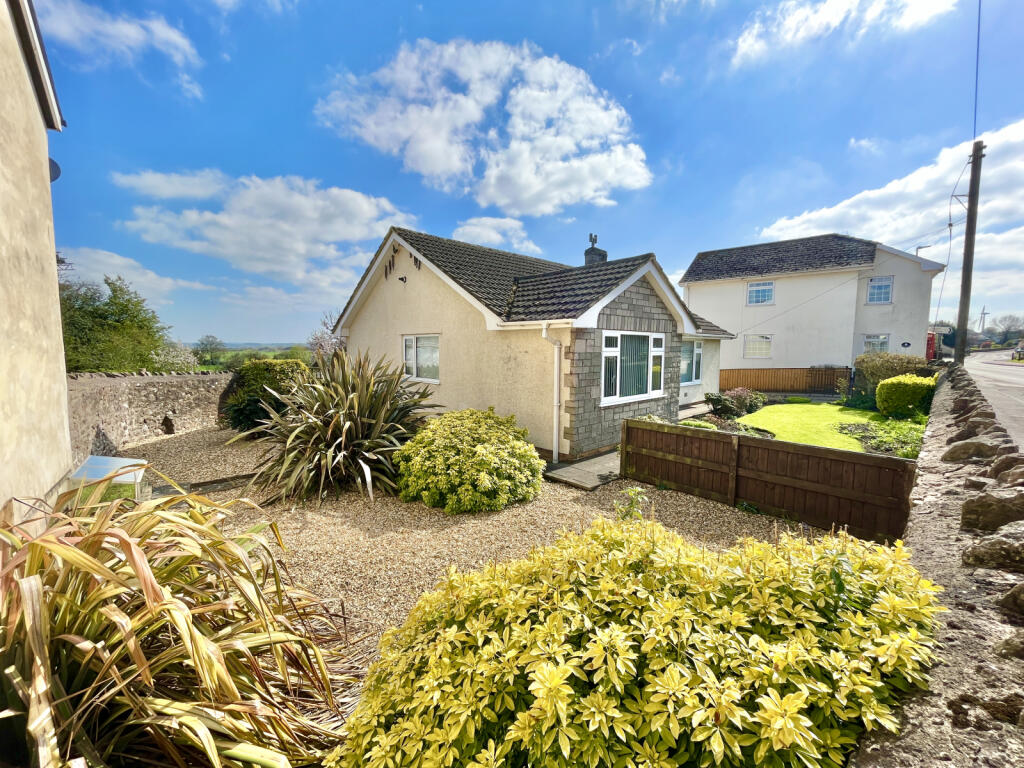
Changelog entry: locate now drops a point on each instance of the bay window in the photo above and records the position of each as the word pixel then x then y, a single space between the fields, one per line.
pixel 422 358
pixel 632 366
pixel 690 364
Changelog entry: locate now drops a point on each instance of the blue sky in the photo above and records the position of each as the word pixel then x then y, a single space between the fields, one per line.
pixel 239 160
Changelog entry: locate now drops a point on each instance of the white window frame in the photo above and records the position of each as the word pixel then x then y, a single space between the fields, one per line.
pixel 405 362
pixel 771 341
pixel 607 352
pixel 758 285
pixel 698 355
pixel 886 336
pixel 880 280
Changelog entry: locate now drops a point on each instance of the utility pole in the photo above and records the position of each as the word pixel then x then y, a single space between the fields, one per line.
pixel 960 351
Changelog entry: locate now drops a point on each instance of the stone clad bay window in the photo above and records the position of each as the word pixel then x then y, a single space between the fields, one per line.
pixel 880 290
pixel 422 360
pixel 690 365
pixel 632 366
pixel 761 292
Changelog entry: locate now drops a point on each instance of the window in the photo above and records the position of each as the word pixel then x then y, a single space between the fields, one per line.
pixel 757 345
pixel 690 364
pixel 880 290
pixel 876 342
pixel 761 293
pixel 421 356
pixel 632 366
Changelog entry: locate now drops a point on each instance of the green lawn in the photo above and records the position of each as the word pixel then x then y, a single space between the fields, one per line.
pixel 812 423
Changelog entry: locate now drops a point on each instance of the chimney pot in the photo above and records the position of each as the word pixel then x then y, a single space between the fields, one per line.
pixel 593 254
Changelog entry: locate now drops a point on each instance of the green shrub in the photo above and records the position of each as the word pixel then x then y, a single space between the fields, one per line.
pixel 697 424
pixel 339 425
pixel 245 407
pixel 797 400
pixel 735 402
pixel 139 634
pixel 469 461
pixel 872 367
pixel 628 646
pixel 895 437
pixel 903 396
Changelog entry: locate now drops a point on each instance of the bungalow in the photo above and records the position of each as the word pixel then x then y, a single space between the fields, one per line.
pixel 810 303
pixel 571 351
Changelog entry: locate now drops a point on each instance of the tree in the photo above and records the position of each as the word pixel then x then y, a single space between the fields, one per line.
pixel 209 349
pixel 108 330
pixel 323 340
pixel 1008 327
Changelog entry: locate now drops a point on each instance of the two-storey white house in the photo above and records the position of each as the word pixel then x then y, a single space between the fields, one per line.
pixel 811 302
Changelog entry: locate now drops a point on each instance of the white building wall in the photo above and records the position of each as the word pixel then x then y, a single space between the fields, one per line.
pixel 811 320
pixel 905 320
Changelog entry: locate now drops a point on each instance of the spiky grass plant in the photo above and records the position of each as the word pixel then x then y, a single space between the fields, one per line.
pixel 338 426
pixel 137 633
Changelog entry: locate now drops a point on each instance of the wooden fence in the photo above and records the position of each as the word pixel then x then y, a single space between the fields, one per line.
pixel 823 381
pixel 823 487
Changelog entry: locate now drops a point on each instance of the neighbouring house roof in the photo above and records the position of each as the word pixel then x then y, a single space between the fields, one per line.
pixel 805 254
pixel 523 289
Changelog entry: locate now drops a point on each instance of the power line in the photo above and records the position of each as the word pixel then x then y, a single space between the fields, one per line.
pixel 949 253
pixel 977 68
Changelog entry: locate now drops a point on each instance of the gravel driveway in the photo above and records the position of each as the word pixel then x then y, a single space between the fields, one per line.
pixel 378 557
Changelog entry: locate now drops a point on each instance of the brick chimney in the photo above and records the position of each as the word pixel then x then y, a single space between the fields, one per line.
pixel 593 254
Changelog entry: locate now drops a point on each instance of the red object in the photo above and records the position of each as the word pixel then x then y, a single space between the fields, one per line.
pixel 930 347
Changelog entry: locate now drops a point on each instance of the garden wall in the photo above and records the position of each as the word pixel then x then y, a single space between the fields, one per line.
pixel 109 411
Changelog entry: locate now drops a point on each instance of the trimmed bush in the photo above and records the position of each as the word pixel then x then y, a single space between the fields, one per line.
pixel 627 645
pixel 246 406
pixel 338 425
pixel 906 395
pixel 469 461
pixel 873 367
pixel 697 424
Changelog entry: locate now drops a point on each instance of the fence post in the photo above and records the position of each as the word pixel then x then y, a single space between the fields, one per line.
pixel 622 451
pixel 734 441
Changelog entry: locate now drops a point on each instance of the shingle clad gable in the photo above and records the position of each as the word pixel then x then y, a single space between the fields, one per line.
pixel 806 254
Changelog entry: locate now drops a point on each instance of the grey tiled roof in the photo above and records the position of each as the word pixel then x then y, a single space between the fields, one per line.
pixel 568 292
pixel 705 326
pixel 486 273
pixel 522 288
pixel 806 254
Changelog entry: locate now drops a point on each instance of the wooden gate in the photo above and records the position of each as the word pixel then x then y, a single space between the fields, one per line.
pixel 823 487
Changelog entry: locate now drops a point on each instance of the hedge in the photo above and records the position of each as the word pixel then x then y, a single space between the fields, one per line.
pixel 244 406
pixel 906 395
pixel 874 367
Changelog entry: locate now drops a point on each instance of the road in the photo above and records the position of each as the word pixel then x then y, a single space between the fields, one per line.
pixel 1002 382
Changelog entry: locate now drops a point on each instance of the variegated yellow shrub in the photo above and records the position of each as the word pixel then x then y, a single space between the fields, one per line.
pixel 629 646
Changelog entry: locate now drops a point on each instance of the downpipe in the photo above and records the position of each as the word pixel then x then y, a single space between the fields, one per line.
pixel 556 416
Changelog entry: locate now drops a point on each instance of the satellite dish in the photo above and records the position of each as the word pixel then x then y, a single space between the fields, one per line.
pixel 54 170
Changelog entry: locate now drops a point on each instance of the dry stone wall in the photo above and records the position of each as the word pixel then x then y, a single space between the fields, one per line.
pixel 966 534
pixel 109 411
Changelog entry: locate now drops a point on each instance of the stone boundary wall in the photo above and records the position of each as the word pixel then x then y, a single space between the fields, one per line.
pixel 966 533
pixel 107 411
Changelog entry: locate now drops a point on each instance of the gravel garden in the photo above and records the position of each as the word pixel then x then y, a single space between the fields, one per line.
pixel 519 622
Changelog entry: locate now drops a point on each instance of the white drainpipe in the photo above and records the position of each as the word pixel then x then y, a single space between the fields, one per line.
pixel 557 348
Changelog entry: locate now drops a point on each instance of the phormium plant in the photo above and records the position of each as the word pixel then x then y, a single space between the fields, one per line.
pixel 337 426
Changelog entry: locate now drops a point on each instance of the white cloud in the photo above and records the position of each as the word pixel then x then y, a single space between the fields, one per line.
pixel 190 185
pixel 661 10
pixel 285 228
pixel 489 230
pixel 793 23
pixel 189 86
pixel 527 133
pixel 914 210
pixel 277 6
pixel 919 202
pixel 865 146
pixel 93 264
pixel 669 76
pixel 99 36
